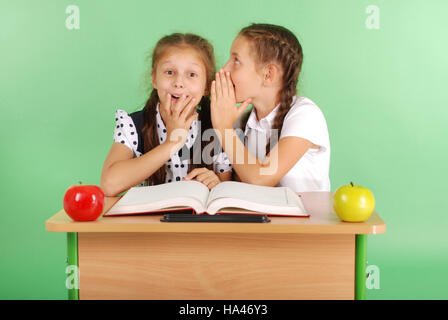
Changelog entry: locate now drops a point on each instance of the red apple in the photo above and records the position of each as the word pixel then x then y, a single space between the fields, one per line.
pixel 84 202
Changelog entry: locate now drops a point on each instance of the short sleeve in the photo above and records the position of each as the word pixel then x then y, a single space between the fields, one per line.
pixel 221 163
pixel 305 120
pixel 125 131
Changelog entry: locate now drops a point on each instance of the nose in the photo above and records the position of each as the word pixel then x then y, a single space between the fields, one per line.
pixel 227 66
pixel 178 82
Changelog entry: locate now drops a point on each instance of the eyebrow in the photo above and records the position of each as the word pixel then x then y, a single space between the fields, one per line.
pixel 234 54
pixel 193 63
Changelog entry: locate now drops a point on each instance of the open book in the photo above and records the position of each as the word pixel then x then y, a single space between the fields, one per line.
pixel 227 197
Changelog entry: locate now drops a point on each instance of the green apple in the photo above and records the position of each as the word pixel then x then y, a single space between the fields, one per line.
pixel 353 203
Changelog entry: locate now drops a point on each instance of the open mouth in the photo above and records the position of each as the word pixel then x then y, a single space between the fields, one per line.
pixel 174 97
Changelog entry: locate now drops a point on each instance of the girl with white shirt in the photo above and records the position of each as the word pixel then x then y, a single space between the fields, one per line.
pixel 263 70
pixel 162 142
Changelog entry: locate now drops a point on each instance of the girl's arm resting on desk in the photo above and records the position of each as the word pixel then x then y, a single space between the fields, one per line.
pixel 276 164
pixel 121 171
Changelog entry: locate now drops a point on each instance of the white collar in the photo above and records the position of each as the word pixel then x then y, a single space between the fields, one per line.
pixel 264 124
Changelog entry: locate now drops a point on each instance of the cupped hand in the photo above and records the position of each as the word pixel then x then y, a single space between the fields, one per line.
pixel 224 111
pixel 204 175
pixel 178 118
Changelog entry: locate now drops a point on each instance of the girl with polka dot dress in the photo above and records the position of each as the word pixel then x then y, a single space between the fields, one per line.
pixel 172 135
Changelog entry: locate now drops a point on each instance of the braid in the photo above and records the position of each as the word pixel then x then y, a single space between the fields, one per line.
pixel 151 137
pixel 277 44
pixel 286 98
pixel 206 124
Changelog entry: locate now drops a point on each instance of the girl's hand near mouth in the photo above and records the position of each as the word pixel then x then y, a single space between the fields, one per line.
pixel 224 111
pixel 178 117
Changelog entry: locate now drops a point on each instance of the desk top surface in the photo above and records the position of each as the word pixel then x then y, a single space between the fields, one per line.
pixel 322 219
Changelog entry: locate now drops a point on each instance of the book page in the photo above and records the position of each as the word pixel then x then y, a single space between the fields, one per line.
pixel 163 194
pixel 274 196
pixel 261 199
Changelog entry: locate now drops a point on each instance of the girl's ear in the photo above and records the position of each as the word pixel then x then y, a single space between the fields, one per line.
pixel 271 74
pixel 153 82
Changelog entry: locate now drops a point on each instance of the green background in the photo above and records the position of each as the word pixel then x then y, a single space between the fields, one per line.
pixel 382 92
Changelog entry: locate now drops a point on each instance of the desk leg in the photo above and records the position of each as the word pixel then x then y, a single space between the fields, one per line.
pixel 361 266
pixel 72 260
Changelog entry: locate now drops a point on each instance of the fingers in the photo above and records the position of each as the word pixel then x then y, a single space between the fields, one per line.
pixel 193 173
pixel 218 86
pixel 187 109
pixel 224 86
pixel 201 177
pixel 213 94
pixel 205 176
pixel 211 181
pixel 190 119
pixel 166 107
pixel 213 184
pixel 180 104
pixel 243 106
pixel 230 87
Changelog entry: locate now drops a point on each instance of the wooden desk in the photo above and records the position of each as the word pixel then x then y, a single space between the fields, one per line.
pixel 139 257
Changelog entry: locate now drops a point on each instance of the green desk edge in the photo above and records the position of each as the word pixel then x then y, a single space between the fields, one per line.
pixel 72 260
pixel 360 264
